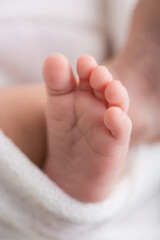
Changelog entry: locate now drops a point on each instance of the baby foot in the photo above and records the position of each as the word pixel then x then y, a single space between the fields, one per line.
pixel 88 128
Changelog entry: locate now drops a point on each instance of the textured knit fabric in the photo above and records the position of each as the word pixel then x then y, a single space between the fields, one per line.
pixel 35 206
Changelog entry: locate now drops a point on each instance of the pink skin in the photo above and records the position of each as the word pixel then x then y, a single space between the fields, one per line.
pixel 88 128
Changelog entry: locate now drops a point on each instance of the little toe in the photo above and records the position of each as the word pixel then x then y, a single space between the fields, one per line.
pixel 58 75
pixel 85 66
pixel 118 123
pixel 116 95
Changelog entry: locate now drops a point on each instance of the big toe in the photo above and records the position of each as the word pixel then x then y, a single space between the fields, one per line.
pixel 58 75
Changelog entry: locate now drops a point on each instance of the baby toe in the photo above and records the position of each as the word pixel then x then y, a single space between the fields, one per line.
pixel 116 95
pixel 58 75
pixel 99 78
pixel 118 123
pixel 85 66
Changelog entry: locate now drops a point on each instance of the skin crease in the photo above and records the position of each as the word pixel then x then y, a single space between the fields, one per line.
pixel 22 123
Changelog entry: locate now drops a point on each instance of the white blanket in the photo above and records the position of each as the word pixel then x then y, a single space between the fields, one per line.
pixel 32 204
